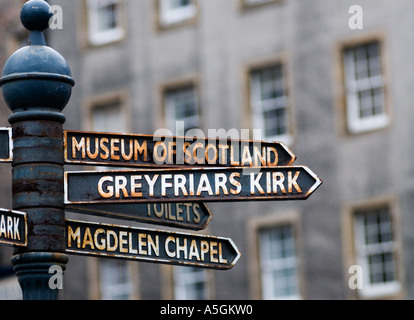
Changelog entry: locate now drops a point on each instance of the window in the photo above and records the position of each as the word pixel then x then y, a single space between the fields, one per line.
pixel 375 248
pixel 105 21
pixel 108 117
pixel 190 283
pixel 176 11
pixel 182 110
pixel 278 263
pixel 269 104
pixel 115 280
pixel 364 83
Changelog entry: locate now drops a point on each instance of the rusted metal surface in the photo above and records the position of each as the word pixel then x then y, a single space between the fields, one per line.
pixel 111 149
pixel 189 215
pixel 146 245
pixel 13 227
pixel 188 185
pixel 37 182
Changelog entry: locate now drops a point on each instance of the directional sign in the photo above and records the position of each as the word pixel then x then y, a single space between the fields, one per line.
pixel 125 150
pixel 13 227
pixel 94 239
pixel 189 215
pixel 6 145
pixel 190 185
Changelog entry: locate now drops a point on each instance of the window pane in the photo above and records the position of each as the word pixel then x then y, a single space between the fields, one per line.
pixel 269 101
pixel 181 105
pixel 176 11
pixel 108 117
pixel 376 249
pixel 279 263
pixel 115 280
pixel 190 283
pixel 105 21
pixel 365 87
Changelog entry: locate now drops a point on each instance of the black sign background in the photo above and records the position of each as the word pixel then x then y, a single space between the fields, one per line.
pixel 233 151
pixel 82 187
pixel 139 212
pixel 223 247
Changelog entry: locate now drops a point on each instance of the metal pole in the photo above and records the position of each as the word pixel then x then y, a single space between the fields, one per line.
pixel 37 85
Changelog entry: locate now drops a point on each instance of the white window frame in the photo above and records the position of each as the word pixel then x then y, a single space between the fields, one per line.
pixel 354 87
pixel 108 117
pixel 259 106
pixel 269 266
pixel 363 250
pixel 98 37
pixel 111 288
pixel 170 15
pixel 171 120
pixel 185 278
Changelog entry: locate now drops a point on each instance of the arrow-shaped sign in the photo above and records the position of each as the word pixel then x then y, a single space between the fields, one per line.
pixel 13 227
pixel 188 215
pixel 190 185
pixel 6 145
pixel 126 150
pixel 97 239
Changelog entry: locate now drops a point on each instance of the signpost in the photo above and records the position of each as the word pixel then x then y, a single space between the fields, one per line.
pixel 13 228
pixel 85 238
pixel 178 185
pixel 188 215
pixel 134 150
pixel 182 173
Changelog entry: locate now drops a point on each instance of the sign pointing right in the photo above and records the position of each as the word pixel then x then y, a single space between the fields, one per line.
pixel 190 185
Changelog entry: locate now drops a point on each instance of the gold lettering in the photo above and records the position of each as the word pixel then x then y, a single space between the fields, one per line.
pixel 259 157
pixel 114 149
pixel 292 182
pixel 278 179
pixel 255 183
pixel 169 253
pixel 75 236
pixel 125 156
pixel 87 239
pixel 104 148
pixel 235 183
pixel 246 157
pixel 275 162
pixel 153 246
pixel 123 241
pixel 194 251
pixel 221 259
pixel 135 185
pixel 100 245
pixel 140 149
pixel 88 148
pixel 79 146
pixel 213 251
pixel 196 208
pixel 142 243
pixel 109 192
pixel 109 234
pixel 160 158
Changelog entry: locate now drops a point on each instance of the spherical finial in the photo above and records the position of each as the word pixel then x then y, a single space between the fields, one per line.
pixel 35 15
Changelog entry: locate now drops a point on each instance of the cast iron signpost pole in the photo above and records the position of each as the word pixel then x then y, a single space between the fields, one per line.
pixel 36 86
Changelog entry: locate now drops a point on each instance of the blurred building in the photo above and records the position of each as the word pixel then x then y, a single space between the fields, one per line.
pixel 331 80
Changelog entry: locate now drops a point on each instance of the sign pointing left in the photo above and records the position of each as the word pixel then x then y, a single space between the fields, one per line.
pixel 6 145
pixel 13 227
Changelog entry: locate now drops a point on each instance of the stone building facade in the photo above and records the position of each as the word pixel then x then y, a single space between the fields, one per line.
pixel 330 79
